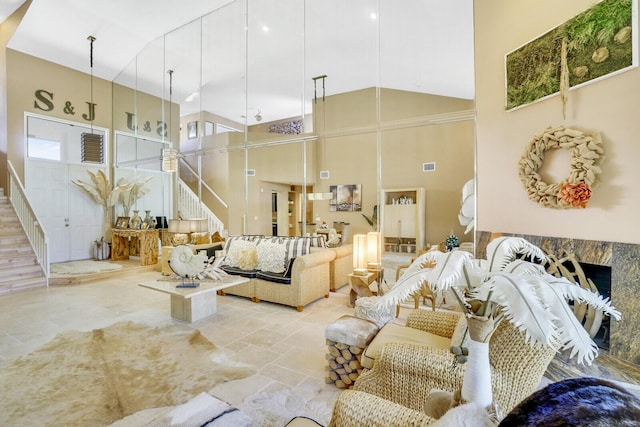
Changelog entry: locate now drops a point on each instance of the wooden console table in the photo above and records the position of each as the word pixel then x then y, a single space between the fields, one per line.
pixel 121 240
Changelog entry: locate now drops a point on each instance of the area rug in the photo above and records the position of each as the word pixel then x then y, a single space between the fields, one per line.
pixel 276 407
pixel 97 377
pixel 84 267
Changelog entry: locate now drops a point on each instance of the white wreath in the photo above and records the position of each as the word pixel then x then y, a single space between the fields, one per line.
pixel 574 191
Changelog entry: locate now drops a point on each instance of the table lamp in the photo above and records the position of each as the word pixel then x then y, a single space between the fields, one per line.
pixel 360 254
pixel 374 250
pixel 180 229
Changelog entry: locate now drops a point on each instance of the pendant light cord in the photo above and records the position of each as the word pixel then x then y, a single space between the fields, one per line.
pixel 91 40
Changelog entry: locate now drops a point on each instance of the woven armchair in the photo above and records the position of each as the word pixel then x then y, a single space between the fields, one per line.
pixel 357 408
pixel 406 373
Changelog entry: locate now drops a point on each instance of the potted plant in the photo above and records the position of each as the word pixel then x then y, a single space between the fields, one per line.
pixel 504 287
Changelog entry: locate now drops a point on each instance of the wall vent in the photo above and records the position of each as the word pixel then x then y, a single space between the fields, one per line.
pixel 250 172
pixel 324 174
pixel 429 167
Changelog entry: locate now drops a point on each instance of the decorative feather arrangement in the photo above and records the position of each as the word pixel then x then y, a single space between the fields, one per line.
pixel 100 189
pixel 506 287
pixel 135 190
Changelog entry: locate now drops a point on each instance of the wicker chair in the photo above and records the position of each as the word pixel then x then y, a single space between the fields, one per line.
pixel 405 374
pixel 357 408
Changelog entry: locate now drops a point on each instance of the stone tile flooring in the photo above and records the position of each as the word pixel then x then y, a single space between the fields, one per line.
pixel 287 347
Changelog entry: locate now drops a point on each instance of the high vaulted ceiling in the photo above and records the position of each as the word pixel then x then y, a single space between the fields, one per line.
pixel 424 45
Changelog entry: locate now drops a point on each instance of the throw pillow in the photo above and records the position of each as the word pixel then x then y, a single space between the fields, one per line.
pixel 234 252
pixel 248 259
pixel 200 238
pixel 289 268
pixel 271 257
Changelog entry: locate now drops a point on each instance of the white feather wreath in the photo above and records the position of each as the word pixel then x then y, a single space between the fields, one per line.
pixel 185 264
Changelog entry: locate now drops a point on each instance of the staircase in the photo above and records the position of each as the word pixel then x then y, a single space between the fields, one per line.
pixel 19 267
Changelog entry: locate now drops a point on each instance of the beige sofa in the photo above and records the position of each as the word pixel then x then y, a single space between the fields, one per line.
pixel 341 266
pixel 310 279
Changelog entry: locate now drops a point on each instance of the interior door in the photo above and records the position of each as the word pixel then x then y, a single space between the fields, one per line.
pixel 71 219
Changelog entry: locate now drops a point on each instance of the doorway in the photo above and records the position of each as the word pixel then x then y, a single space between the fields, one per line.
pixel 274 213
pixel 71 219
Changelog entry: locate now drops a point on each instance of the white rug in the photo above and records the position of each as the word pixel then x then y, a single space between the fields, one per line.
pixel 276 407
pixel 84 267
pixel 272 407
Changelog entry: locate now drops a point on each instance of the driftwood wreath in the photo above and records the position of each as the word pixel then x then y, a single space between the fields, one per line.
pixel 574 191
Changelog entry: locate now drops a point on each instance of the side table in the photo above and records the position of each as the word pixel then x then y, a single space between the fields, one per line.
pixel 360 284
pixel 346 339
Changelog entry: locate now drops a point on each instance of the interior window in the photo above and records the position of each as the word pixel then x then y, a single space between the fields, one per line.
pixel 61 141
pixel 43 149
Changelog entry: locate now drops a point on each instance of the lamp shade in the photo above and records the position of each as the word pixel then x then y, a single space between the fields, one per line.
pixel 169 159
pixel 174 225
pixel 179 226
pixel 359 253
pixel 374 248
pixel 199 225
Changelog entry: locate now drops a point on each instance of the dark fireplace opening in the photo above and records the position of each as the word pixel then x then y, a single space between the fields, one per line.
pixel 600 275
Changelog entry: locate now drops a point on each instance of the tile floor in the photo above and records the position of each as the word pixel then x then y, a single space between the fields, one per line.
pixel 287 347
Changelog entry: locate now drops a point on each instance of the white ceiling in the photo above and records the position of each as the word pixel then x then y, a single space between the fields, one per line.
pixel 424 46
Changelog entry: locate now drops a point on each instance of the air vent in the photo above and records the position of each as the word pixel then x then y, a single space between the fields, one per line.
pixel 250 172
pixel 429 167
pixel 324 174
pixel 92 149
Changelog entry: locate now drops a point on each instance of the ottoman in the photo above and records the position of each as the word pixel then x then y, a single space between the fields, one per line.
pixel 346 338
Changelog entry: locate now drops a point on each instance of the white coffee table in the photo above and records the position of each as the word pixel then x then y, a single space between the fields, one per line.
pixel 192 304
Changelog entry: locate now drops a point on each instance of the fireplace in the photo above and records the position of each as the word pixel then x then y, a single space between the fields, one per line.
pixel 615 267
pixel 600 275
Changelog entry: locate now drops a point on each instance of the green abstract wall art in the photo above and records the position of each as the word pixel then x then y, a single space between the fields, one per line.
pixel 597 43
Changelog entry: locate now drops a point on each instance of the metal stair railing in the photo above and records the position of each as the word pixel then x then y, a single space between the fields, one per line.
pixel 29 220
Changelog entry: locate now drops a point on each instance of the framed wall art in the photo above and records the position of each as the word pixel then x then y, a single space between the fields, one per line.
pixel 122 222
pixel 595 44
pixel 346 198
pixel 192 130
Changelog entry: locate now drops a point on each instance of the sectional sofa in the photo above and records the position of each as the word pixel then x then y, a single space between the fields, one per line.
pixel 293 271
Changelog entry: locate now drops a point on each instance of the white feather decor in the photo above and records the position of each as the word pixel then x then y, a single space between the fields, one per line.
pixel 506 287
pixel 185 264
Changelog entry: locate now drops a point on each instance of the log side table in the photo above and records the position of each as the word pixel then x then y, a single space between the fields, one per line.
pixel 346 339
pixel 360 286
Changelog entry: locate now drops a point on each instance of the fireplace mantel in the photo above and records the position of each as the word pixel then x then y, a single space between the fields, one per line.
pixel 624 260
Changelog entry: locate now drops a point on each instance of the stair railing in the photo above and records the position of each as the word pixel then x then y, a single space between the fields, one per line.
pixel 29 220
pixel 190 206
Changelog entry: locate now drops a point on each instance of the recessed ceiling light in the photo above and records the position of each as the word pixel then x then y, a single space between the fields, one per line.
pixel 373 16
pixel 265 28
pixel 191 97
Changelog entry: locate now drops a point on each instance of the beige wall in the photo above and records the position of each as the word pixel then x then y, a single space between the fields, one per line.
pixel 609 106
pixel 7 28
pixel 27 74
pixel 349 152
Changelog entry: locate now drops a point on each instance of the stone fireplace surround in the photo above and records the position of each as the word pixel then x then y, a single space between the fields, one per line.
pixel 624 260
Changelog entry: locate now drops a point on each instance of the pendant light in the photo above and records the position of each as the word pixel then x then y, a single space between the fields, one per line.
pixel 170 155
pixel 92 149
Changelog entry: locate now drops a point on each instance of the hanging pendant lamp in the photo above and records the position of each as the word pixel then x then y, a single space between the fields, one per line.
pixel 92 149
